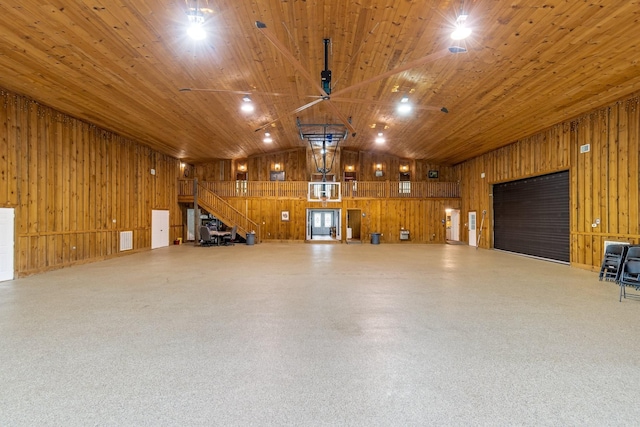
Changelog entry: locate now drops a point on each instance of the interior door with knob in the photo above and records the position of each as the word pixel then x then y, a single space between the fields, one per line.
pixel 159 229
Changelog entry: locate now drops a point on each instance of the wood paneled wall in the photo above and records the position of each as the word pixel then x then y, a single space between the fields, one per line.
pixel 422 217
pixel 299 165
pixel 215 170
pixel 292 162
pixel 75 187
pixel 365 163
pixel 445 173
pixel 604 181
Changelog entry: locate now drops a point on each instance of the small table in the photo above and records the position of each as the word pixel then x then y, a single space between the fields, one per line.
pixel 218 235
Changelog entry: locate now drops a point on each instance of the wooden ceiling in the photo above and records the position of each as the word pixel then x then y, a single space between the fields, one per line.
pixel 120 64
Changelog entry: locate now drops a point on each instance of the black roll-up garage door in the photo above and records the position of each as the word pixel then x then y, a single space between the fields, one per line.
pixel 531 216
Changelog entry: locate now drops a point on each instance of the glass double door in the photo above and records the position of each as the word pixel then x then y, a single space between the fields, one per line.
pixel 322 222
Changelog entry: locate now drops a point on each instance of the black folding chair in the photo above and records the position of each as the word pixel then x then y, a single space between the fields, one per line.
pixel 612 262
pixel 630 278
pixel 633 253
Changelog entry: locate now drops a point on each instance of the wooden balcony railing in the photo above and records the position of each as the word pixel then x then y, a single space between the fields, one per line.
pixel 350 190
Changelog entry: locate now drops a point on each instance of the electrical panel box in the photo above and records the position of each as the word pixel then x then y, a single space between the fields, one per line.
pixel 404 234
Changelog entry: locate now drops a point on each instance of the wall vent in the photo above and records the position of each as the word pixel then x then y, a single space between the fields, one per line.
pixel 126 240
pixel 585 148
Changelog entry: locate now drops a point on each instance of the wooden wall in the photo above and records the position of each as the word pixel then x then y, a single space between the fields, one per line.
pixel 292 162
pixel 299 165
pixel 365 163
pixel 422 217
pixel 603 181
pixel 74 187
pixel 215 170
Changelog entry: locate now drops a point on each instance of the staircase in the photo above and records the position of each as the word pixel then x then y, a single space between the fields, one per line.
pixel 226 213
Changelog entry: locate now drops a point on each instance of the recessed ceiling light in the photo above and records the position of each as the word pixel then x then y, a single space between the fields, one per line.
pixel 461 31
pixel 196 32
pixel 405 106
pixel 247 106
pixel 196 29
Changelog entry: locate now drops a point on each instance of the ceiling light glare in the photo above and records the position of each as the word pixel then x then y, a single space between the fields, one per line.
pixel 267 138
pixel 197 32
pixel 380 139
pixel 461 32
pixel 247 106
pixel 404 106
pixel 196 29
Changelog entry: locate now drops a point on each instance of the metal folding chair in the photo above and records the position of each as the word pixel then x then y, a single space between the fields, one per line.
pixel 612 262
pixel 630 278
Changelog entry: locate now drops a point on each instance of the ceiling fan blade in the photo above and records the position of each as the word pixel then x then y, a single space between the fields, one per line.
pixel 413 64
pixel 298 66
pixel 388 104
pixel 342 118
pixel 297 110
pixel 237 92
pixel 289 56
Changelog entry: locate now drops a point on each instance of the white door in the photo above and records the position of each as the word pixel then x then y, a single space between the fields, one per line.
pixel 455 225
pixel 159 229
pixel 472 229
pixel 6 243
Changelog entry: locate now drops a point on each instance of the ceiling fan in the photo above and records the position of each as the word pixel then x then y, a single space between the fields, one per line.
pixel 324 87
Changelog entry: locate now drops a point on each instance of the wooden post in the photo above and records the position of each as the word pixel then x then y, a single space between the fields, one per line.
pixel 196 213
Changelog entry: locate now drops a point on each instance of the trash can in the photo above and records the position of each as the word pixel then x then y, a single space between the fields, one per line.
pixel 375 238
pixel 251 238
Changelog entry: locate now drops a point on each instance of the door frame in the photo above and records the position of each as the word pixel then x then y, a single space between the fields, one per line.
pixel 452 224
pixel 337 217
pixel 351 213
pixel 455 225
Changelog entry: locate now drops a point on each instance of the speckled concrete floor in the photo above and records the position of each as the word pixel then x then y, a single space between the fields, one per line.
pixel 301 334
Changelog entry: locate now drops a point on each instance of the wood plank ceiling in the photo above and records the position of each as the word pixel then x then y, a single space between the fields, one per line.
pixel 120 64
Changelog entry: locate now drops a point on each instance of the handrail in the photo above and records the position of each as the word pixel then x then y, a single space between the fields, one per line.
pixel 350 190
pixel 225 212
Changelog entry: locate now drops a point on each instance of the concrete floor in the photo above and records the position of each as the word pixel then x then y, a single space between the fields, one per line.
pixel 303 334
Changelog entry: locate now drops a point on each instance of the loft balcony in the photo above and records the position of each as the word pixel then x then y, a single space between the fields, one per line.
pixel 300 189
